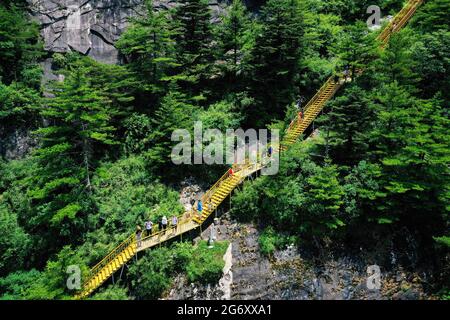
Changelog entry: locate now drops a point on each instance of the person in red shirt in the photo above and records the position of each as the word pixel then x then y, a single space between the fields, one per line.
pixel 300 116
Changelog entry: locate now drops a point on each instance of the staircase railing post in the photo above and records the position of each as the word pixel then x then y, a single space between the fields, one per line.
pixel 121 271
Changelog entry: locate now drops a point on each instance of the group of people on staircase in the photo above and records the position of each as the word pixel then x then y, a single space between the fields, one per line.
pixel 345 75
pixel 163 224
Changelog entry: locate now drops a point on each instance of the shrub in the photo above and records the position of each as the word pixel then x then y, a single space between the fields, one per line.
pixel 152 274
pixel 207 263
pixel 111 293
pixel 269 241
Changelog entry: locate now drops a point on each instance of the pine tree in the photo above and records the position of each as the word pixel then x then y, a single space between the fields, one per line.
pixel 233 35
pixel 410 140
pixel 432 16
pixel 397 62
pixel 324 199
pixel 148 46
pixel 347 124
pixel 355 48
pixel 116 84
pixel 193 37
pixel 14 242
pixel 176 112
pixel 20 48
pixel 20 73
pixel 19 105
pixel 432 56
pixel 275 60
pixel 79 131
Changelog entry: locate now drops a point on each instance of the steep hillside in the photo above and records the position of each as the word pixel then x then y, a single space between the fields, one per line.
pixel 92 104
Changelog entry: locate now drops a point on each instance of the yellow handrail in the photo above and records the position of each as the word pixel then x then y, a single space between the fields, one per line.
pixel 111 256
pixel 313 100
pixel 399 21
pixel 207 196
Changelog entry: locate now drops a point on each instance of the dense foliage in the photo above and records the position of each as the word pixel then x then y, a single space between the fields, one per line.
pixel 153 274
pixel 101 137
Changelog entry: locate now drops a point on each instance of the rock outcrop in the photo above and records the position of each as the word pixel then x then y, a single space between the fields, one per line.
pixel 91 27
pixel 15 143
pixel 296 273
pixel 87 26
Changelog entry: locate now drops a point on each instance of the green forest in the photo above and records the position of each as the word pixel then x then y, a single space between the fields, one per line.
pixel 377 169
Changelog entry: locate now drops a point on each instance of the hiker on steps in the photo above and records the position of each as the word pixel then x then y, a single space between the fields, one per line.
pixel 199 208
pixel 192 202
pixel 164 222
pixel 139 236
pixel 298 106
pixel 336 79
pixel 347 74
pixel 175 223
pixel 300 117
pixel 149 227
pixel 298 103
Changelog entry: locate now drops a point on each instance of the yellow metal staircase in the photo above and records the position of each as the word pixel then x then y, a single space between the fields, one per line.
pixel 223 188
pixel 312 110
pixel 110 264
pixel 399 21
pixel 332 85
pixel 216 195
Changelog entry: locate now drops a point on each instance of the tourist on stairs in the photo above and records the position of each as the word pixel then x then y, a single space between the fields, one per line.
pixel 139 236
pixel 149 227
pixel 164 222
pixel 199 208
pixel 175 223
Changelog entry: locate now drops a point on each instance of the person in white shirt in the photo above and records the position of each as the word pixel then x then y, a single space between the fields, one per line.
pixel 175 222
pixel 164 222
pixel 149 227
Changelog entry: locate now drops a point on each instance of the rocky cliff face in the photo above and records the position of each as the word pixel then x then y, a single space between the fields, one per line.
pixel 15 143
pixel 87 26
pixel 91 27
pixel 297 273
